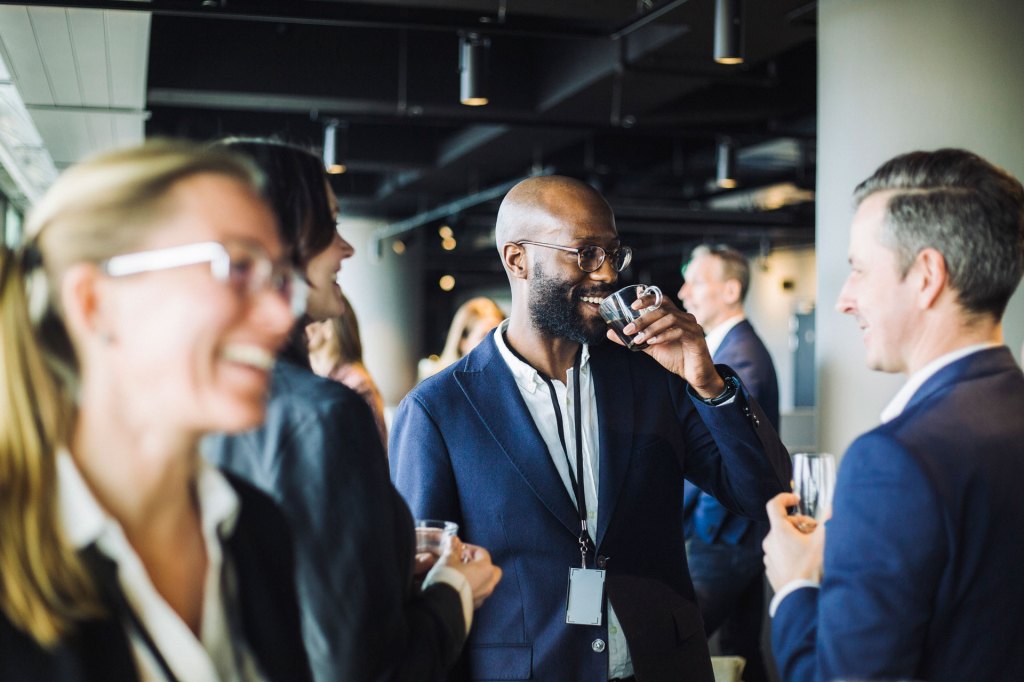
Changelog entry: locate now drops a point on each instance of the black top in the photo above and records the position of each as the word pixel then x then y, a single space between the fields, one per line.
pixel 319 456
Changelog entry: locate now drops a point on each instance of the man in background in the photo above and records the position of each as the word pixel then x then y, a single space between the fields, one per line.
pixel 920 575
pixel 724 549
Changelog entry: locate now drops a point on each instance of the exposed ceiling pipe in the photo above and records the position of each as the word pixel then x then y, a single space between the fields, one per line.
pixel 341 14
pixel 401 227
pixel 645 18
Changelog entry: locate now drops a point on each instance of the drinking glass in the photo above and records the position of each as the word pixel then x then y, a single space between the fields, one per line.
pixel 435 536
pixel 617 310
pixel 814 480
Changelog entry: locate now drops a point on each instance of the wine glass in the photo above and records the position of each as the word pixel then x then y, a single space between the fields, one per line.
pixel 814 480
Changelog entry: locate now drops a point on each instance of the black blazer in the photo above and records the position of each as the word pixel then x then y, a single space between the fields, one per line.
pixel 320 457
pixel 261 555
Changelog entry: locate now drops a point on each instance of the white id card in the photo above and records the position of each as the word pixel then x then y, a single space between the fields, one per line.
pixel 586 596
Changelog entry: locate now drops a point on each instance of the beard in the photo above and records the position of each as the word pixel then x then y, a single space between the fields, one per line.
pixel 554 307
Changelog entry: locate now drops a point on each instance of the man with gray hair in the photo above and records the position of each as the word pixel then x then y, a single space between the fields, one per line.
pixel 723 548
pixel 916 575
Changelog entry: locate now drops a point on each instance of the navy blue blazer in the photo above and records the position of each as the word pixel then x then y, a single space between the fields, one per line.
pixel 465 448
pixel 923 554
pixel 743 351
pixel 260 553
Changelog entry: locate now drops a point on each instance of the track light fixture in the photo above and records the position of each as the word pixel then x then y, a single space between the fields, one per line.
pixel 473 66
pixel 332 159
pixel 729 31
pixel 725 167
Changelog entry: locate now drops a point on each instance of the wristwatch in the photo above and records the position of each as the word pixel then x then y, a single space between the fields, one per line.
pixel 732 387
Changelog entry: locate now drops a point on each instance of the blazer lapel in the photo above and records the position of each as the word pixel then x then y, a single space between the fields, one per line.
pixel 494 394
pixel 613 389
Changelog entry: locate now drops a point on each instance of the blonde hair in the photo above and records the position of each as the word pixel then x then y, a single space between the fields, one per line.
pixel 465 317
pixel 100 208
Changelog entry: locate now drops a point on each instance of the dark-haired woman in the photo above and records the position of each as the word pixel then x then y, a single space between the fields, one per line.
pixel 365 616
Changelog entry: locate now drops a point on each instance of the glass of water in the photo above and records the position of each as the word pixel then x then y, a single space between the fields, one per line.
pixel 434 536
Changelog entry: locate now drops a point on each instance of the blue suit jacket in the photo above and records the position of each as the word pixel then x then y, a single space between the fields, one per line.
pixel 744 352
pixel 923 554
pixel 465 448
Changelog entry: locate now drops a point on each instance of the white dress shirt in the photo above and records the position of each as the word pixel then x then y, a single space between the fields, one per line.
pixel 715 337
pixel 537 397
pixel 892 410
pixel 213 656
pixel 917 379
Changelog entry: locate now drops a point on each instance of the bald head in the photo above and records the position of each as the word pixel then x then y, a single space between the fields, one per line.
pixel 543 207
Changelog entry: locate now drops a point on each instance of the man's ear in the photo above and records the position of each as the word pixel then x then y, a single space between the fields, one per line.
pixel 932 277
pixel 81 294
pixel 731 291
pixel 513 256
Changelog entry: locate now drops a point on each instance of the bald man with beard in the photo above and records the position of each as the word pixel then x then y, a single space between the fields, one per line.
pixel 507 441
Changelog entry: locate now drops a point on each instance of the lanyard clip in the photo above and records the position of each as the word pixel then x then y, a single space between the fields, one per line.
pixel 584 541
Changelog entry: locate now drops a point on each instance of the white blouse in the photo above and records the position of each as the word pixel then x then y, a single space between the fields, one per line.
pixel 215 655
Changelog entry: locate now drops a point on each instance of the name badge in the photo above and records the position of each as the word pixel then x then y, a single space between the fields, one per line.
pixel 586 596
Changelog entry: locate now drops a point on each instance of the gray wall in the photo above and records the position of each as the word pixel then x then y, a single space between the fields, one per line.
pixel 770 307
pixel 894 77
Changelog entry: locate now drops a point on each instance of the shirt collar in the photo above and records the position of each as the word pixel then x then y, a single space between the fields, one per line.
pixel 527 378
pixel 917 379
pixel 715 337
pixel 85 521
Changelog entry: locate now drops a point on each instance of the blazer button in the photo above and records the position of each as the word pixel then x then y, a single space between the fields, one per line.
pixel 602 561
pixel 597 645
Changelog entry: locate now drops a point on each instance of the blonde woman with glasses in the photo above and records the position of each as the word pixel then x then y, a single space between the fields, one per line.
pixel 144 311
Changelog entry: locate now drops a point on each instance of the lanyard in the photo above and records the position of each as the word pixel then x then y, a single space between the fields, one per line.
pixel 104 572
pixel 577 479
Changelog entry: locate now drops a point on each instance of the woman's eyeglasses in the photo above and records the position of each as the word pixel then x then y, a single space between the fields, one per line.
pixel 243 264
pixel 591 258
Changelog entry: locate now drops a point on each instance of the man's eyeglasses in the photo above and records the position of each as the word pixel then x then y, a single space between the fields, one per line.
pixel 591 258
pixel 243 264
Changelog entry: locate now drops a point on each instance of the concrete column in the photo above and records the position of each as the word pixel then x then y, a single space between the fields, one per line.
pixel 895 77
pixel 387 298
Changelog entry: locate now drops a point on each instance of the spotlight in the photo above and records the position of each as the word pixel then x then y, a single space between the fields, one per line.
pixel 729 31
pixel 331 161
pixel 473 55
pixel 398 247
pixel 725 168
pixel 447 283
